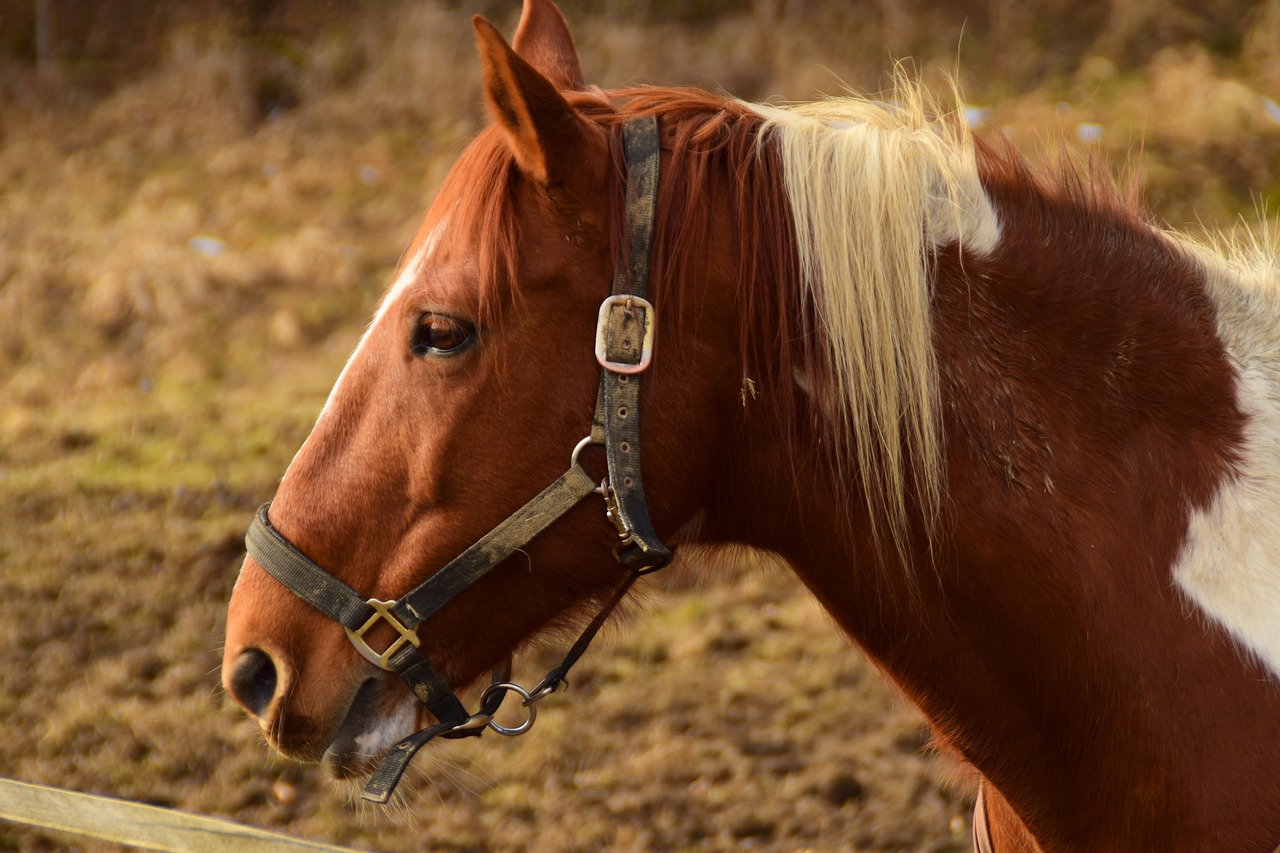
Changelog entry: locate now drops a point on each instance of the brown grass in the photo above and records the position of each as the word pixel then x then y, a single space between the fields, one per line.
pixel 190 244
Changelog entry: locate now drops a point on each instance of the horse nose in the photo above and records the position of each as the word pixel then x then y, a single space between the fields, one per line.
pixel 253 681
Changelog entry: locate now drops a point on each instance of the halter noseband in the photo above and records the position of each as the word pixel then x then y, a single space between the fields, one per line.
pixel 624 348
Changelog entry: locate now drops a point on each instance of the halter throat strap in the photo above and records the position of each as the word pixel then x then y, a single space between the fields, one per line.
pixel 624 348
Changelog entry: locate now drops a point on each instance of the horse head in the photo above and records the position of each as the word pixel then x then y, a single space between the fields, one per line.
pixel 466 396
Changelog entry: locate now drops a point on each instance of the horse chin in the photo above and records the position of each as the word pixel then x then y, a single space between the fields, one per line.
pixel 372 727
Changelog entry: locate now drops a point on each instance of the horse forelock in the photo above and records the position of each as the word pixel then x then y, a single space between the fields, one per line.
pixel 473 197
pixel 477 194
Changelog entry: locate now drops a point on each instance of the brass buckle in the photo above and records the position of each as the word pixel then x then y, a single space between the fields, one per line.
pixel 627 303
pixel 381 611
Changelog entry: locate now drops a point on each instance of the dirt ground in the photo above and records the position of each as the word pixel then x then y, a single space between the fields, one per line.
pixel 191 246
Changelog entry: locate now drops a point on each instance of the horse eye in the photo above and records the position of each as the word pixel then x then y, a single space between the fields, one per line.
pixel 440 335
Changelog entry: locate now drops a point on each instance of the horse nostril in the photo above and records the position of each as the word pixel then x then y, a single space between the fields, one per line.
pixel 253 681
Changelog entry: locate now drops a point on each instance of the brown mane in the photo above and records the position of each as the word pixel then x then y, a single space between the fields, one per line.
pixel 706 135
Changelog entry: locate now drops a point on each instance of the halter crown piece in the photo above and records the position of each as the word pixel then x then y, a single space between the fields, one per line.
pixel 624 348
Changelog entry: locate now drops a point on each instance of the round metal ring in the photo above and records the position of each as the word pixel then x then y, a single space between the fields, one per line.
pixel 573 460
pixel 511 731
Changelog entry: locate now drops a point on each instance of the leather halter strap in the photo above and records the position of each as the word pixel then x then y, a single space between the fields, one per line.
pixel 625 334
pixel 624 348
pixel 345 606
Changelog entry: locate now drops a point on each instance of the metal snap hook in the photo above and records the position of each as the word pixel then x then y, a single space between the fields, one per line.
pixel 511 731
pixel 475 721
pixel 542 691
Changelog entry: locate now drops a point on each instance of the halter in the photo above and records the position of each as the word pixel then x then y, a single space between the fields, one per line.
pixel 624 348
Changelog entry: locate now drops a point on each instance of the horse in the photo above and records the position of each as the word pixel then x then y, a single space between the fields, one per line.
pixel 1022 444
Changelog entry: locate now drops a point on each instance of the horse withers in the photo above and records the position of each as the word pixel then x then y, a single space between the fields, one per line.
pixel 1021 444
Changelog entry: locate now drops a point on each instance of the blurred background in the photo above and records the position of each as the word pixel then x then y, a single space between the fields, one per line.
pixel 200 204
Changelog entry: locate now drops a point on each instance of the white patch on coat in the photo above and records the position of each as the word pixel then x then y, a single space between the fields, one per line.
pixel 390 731
pixel 969 220
pixel 1230 566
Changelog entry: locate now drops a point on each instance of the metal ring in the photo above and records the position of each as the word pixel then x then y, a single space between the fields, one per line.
pixel 511 731
pixel 573 460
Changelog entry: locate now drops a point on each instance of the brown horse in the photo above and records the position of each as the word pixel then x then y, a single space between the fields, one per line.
pixel 1023 446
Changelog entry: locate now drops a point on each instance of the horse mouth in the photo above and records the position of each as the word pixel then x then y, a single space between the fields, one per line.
pixel 369 730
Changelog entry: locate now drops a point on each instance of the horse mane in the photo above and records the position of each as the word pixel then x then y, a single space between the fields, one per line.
pixel 875 189
pixel 841 204
pixel 481 184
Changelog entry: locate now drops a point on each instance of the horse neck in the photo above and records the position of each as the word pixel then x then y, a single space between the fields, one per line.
pixel 1034 621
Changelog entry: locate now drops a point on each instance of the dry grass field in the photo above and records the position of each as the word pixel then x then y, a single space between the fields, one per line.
pixel 198 211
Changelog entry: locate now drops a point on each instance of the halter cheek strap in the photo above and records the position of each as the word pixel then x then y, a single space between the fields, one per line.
pixel 624 348
pixel 625 334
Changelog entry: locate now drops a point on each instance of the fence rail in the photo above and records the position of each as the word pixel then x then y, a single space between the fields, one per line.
pixel 139 825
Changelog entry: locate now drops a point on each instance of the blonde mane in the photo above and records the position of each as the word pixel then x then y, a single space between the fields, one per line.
pixel 875 189
pixel 845 202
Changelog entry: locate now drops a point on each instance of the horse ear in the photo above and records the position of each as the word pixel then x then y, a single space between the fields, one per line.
pixel 543 39
pixel 548 139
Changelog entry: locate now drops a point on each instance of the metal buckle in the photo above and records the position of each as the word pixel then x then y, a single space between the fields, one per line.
pixel 627 303
pixel 382 611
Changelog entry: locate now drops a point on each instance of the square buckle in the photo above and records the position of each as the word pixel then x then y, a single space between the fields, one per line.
pixel 647 317
pixel 381 612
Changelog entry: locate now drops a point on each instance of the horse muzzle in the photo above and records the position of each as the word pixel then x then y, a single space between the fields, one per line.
pixel 304 705
pixel 363 723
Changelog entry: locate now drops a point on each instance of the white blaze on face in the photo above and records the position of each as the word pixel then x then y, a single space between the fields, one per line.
pixel 409 274
pixel 1230 565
